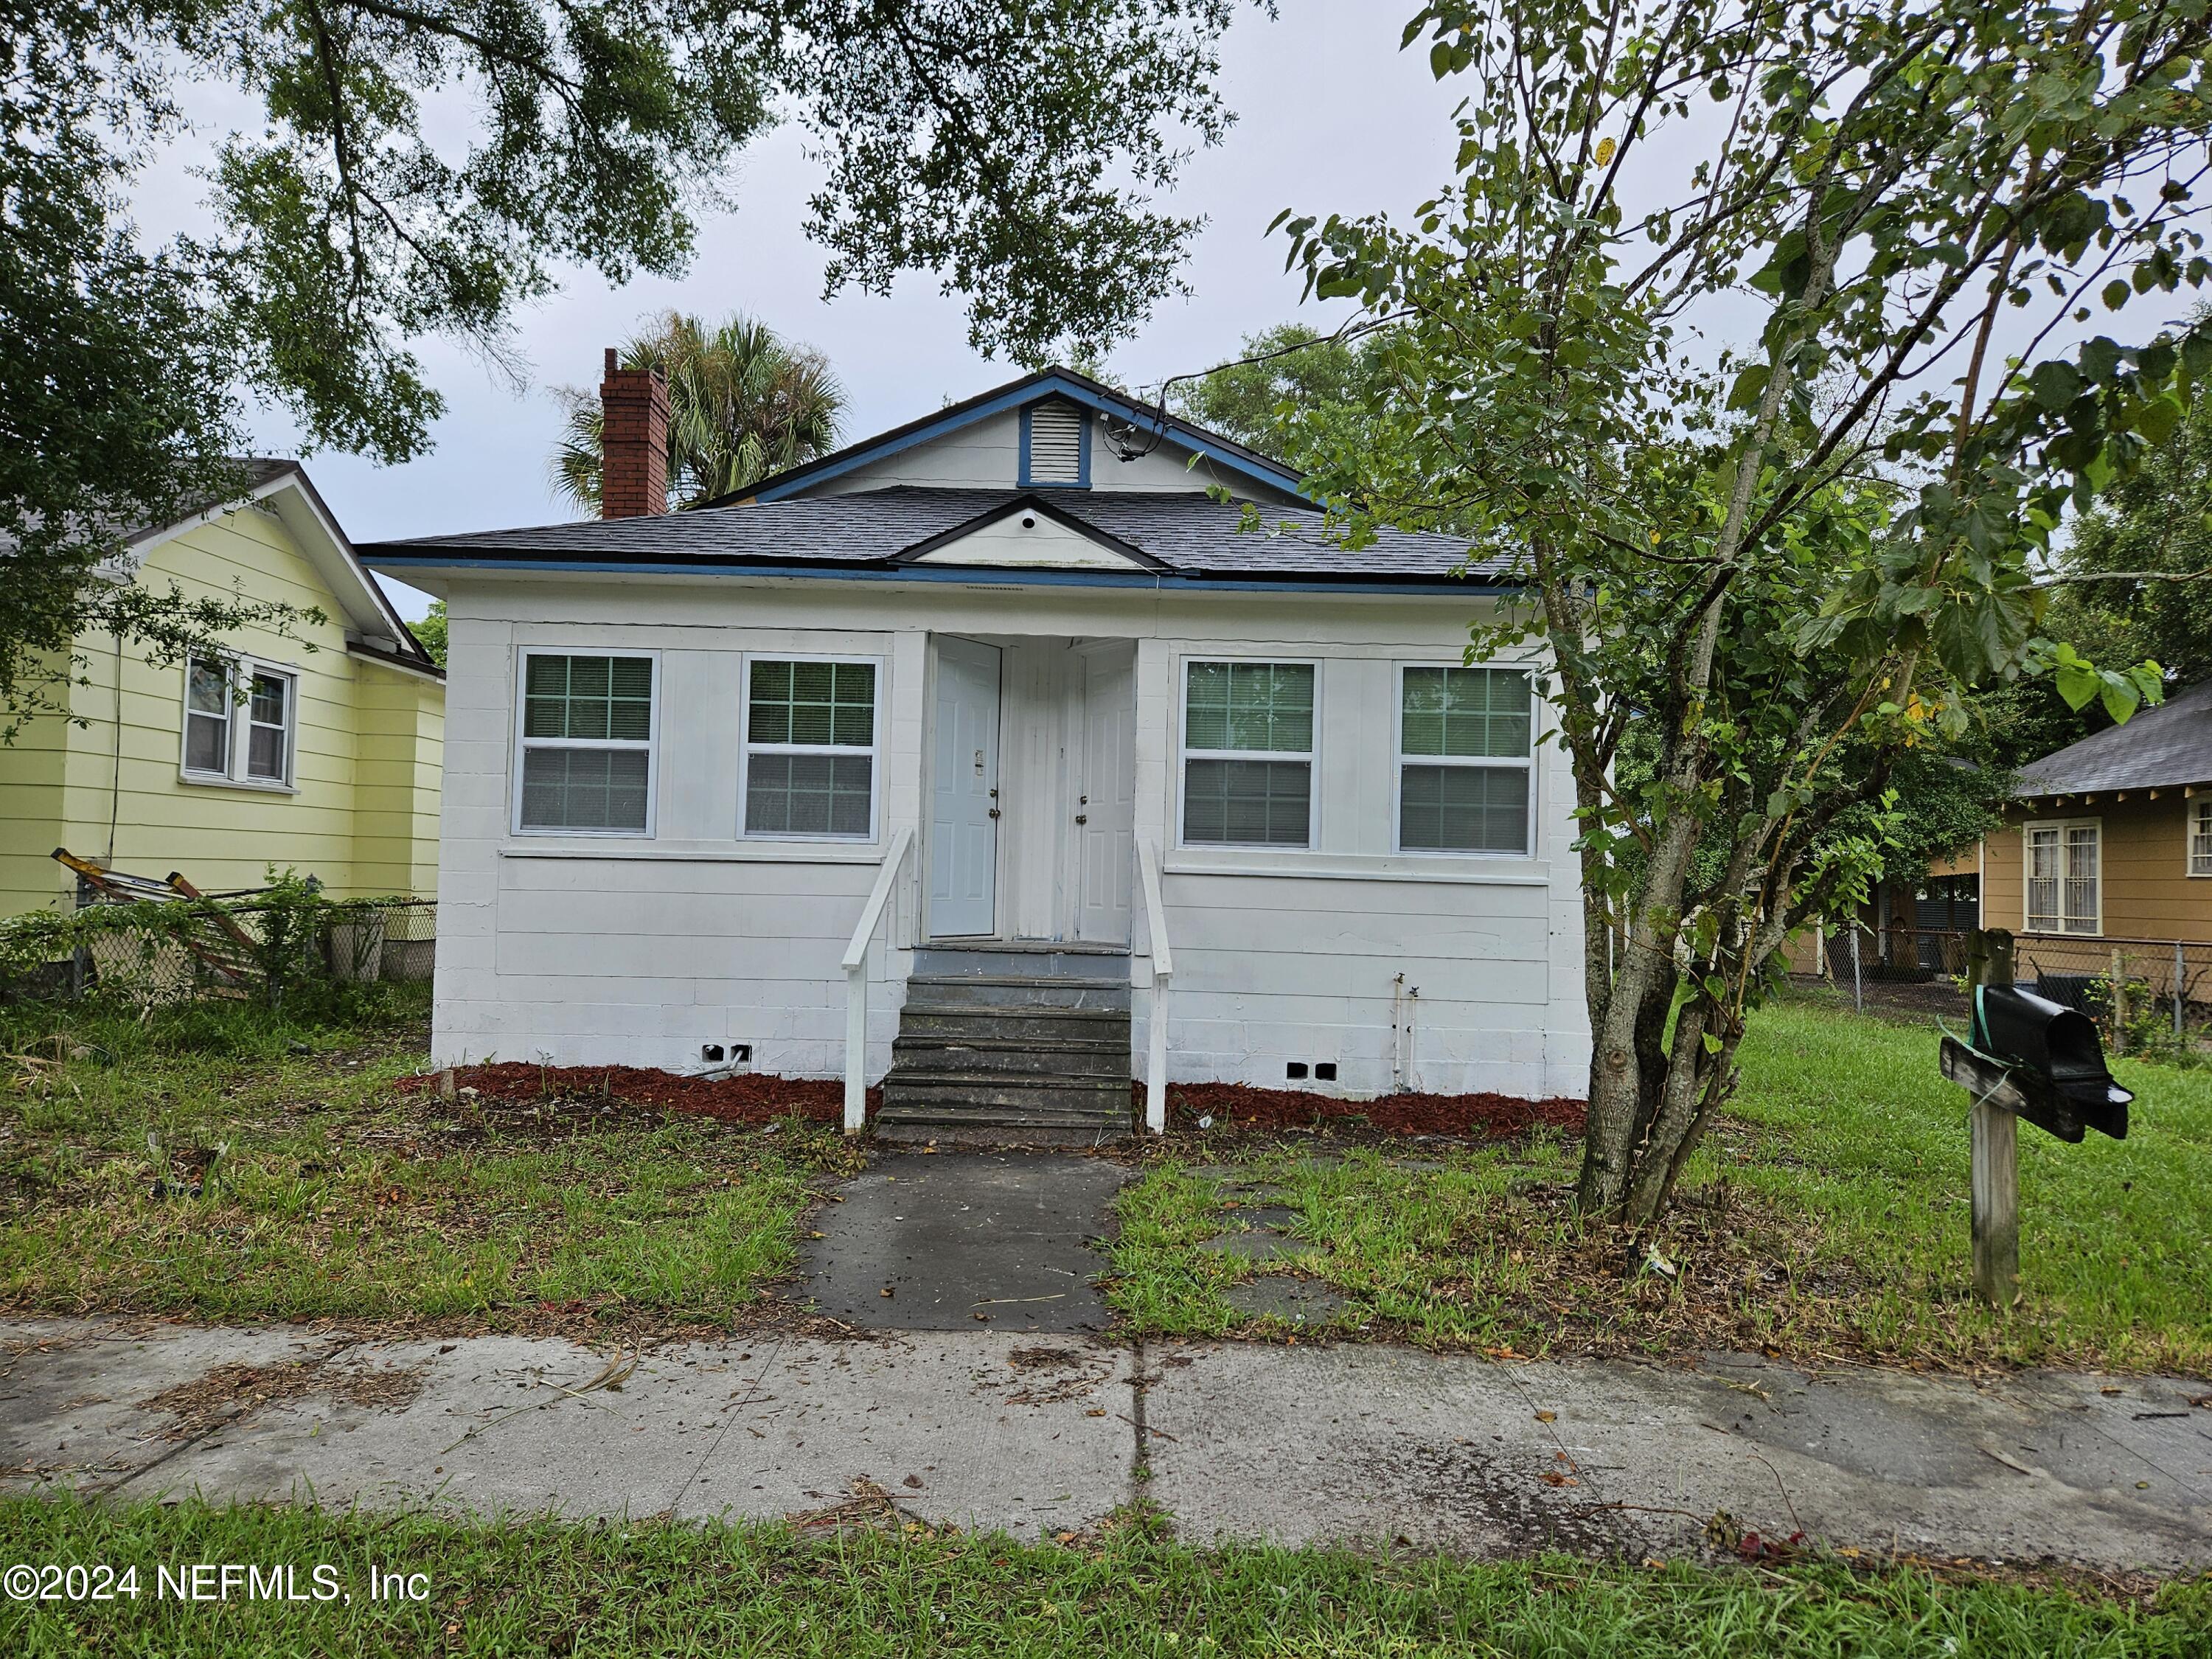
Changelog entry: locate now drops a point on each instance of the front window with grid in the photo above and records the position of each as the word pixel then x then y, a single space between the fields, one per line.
pixel 2200 837
pixel 2063 878
pixel 811 749
pixel 1247 739
pixel 1464 748
pixel 586 744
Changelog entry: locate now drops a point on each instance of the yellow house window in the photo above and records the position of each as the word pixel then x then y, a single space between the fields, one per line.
pixel 240 718
pixel 207 717
pixel 2064 877
pixel 2200 837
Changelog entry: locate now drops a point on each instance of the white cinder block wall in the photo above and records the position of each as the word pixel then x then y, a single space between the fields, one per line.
pixel 601 950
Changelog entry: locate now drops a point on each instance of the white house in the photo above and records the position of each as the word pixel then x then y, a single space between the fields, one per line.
pixel 1012 714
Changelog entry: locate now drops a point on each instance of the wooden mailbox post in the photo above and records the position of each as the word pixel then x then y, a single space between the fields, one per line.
pixel 2028 1058
pixel 1997 1141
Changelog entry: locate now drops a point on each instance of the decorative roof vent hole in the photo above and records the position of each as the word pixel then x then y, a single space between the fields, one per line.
pixel 1056 447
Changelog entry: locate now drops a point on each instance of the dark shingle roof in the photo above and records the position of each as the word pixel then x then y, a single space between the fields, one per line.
pixel 2169 744
pixel 1190 534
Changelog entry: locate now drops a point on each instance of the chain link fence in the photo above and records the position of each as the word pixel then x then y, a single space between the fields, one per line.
pixel 2145 994
pixel 273 946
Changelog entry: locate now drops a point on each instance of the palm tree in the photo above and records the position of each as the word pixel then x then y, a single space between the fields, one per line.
pixel 743 403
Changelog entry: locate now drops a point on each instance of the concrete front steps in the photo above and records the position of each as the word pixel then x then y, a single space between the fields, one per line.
pixel 1010 1043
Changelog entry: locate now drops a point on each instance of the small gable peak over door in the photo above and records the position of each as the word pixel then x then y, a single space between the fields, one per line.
pixel 1030 534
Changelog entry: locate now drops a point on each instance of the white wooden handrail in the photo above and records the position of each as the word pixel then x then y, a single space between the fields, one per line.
pixel 1156 927
pixel 856 984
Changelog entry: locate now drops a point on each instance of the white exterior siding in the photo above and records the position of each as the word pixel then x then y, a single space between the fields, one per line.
pixel 595 951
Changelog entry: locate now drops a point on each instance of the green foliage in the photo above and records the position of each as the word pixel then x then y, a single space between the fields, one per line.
pixel 1789 564
pixel 341 1196
pixel 2138 585
pixel 430 632
pixel 657 1589
pixel 428 168
pixel 743 403
pixel 1827 1218
pixel 288 946
pixel 1307 398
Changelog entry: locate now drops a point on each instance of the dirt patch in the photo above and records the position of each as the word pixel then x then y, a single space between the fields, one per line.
pixel 1479 1117
pixel 1043 1360
pixel 566 1091
pixel 230 1392
pixel 1727 1270
pixel 870 1508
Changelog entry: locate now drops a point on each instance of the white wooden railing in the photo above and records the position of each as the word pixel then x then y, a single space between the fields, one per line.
pixel 856 984
pixel 1155 1021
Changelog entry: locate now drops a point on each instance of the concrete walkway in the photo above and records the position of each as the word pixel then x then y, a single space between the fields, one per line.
pixel 946 1240
pixel 989 1429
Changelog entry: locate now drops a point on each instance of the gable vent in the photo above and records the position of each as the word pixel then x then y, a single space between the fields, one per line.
pixel 1056 445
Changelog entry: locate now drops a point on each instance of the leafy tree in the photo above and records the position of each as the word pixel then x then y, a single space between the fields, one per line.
pixel 430 632
pixel 1786 567
pixel 424 167
pixel 2155 523
pixel 742 405
pixel 2134 580
pixel 1295 394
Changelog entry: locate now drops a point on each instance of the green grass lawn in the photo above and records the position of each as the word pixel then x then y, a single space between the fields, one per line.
pixel 338 1195
pixel 650 1588
pixel 1826 1217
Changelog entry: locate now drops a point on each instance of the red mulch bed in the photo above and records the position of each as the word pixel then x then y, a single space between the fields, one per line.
pixel 1235 1105
pixel 756 1099
pixel 748 1097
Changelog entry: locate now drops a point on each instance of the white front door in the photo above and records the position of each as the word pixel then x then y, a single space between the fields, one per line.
pixel 1106 801
pixel 964 828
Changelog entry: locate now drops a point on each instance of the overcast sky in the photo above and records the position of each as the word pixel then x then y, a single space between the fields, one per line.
pixel 1331 116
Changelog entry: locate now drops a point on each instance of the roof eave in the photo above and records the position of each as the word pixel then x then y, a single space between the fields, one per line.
pixel 894 570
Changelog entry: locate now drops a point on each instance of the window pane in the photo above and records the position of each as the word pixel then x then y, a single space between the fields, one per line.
pixel 2042 880
pixel 584 789
pixel 771 702
pixel 2081 909
pixel 207 738
pixel 816 703
pixel 588 697
pixel 1206 725
pixel 208 688
pixel 1247 803
pixel 1466 711
pixel 808 794
pixel 1261 705
pixel 265 753
pixel 268 705
pixel 2200 843
pixel 1465 809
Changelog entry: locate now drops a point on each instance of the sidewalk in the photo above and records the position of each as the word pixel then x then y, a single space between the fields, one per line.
pixel 1030 1433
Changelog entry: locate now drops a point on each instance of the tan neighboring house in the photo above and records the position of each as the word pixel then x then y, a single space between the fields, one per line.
pixel 324 760
pixel 2112 837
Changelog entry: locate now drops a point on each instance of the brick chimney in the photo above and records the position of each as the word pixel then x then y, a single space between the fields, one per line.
pixel 634 444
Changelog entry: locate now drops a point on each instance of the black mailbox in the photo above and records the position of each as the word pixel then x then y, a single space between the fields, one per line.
pixel 2051 1053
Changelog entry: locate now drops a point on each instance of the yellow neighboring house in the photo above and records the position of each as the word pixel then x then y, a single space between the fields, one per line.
pixel 324 760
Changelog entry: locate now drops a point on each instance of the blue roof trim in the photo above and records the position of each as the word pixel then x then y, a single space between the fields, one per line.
pixel 975 575
pixel 867 454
